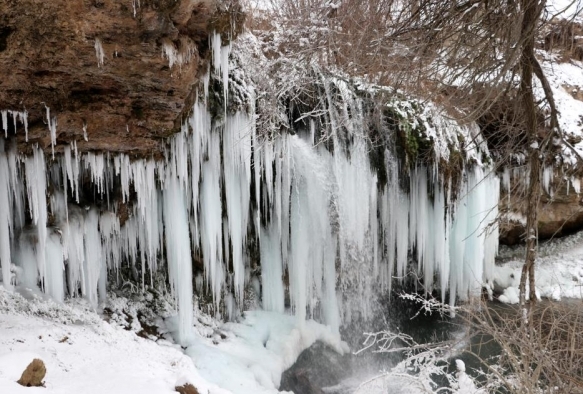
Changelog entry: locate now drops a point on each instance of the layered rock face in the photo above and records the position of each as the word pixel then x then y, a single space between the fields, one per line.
pixel 122 70
pixel 559 215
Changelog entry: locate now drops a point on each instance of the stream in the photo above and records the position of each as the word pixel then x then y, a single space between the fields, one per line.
pixel 320 370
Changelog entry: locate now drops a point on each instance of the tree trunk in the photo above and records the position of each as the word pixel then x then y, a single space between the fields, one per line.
pixel 532 10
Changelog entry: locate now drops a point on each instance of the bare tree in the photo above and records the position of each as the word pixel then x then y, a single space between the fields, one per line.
pixel 538 351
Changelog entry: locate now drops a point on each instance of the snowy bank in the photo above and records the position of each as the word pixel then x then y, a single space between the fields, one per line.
pixel 558 270
pixel 85 354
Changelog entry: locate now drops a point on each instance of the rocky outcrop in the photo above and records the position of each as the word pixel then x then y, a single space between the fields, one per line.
pixel 559 214
pixel 124 71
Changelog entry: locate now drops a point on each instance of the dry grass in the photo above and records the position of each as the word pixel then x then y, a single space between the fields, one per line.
pixel 541 348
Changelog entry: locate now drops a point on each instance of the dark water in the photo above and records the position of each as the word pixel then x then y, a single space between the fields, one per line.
pixel 320 369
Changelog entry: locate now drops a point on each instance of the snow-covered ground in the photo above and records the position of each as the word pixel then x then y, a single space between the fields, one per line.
pixel 82 353
pixel 566 80
pixel 558 272
pixel 85 354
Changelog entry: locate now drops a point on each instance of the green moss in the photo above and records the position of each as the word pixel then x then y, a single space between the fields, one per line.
pixel 215 99
pixel 377 162
pixel 402 117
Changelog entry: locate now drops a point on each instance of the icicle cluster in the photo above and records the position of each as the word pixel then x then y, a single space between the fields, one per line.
pixel 327 231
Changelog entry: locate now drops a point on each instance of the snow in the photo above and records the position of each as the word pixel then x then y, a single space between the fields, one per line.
pixel 558 270
pixel 83 353
pixel 564 78
pixel 466 384
pixel 565 8
pixel 257 351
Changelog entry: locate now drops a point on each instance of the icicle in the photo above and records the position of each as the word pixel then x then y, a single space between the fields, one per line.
pixel 576 182
pixel 355 182
pixel 72 172
pixel 110 234
pixel 73 232
pixel 311 242
pixel 330 307
pixel 271 270
pixel 220 56
pixel 175 56
pixel 5 218
pixel 179 254
pixel 548 174
pixel 95 163
pixel 16 116
pixel 17 188
pixel 14 119
pixel 200 123
pixel 492 194
pixel 93 256
pixel 36 186
pixel 216 51
pixel 135 5
pixel 211 219
pixel 5 122
pixel 54 284
pixel 506 180
pixel 237 175
pixel 99 52
pixel 24 118
pixel 52 124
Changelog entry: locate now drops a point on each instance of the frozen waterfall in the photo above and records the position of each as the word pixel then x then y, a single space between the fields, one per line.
pixel 328 232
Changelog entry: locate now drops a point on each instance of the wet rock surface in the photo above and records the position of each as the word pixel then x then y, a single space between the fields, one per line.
pixel 100 65
pixel 317 367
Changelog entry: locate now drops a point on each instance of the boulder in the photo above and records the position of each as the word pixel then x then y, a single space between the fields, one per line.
pixel 34 374
pixel 187 389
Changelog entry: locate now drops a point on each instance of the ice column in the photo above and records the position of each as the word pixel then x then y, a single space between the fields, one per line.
pixel 5 218
pixel 272 270
pixel 36 185
pixel 54 284
pixel 237 175
pixel 93 256
pixel 211 222
pixel 178 254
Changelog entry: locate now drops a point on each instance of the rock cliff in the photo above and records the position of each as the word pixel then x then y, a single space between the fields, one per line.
pixel 124 71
